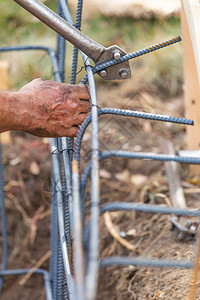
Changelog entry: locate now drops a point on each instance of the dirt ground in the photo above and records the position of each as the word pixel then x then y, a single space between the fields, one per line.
pixel 27 166
pixel 143 181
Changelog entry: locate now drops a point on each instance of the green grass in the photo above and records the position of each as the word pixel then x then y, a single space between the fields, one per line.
pixel 163 68
pixel 17 25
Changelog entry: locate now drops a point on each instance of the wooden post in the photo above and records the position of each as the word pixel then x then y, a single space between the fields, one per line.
pixel 190 19
pixel 4 85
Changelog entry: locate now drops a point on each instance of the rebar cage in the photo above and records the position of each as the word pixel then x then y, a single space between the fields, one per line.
pixel 71 239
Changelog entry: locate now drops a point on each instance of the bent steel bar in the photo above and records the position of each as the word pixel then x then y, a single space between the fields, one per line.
pixel 97 52
pixel 50 52
pixel 45 274
pixel 135 155
pixel 59 204
pixel 93 252
pixel 21 48
pixel 127 113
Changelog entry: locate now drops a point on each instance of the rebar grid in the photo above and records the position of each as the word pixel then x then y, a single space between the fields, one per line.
pixel 67 221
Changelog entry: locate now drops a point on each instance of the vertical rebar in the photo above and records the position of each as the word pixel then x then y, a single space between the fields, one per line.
pixel 60 271
pixel 60 212
pixel 56 261
pixel 54 242
pixel 68 143
pixel 93 253
pixel 75 52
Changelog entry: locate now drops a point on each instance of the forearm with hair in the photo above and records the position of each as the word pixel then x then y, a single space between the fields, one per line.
pixel 8 110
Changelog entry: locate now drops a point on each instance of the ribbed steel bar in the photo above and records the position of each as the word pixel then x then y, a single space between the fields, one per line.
pixel 3 221
pixel 66 228
pixel 62 59
pixel 56 176
pixel 145 262
pixel 91 278
pixel 140 207
pixel 78 255
pixel 59 204
pixel 148 208
pixel 127 113
pixel 134 155
pixel 93 249
pixel 47 280
pixel 75 52
pixel 54 245
pixel 59 198
pixel 60 265
pixel 58 36
pixel 73 181
pixel 60 55
pixel 151 156
pixel 68 190
pixel 22 48
pixel 132 55
pixel 67 146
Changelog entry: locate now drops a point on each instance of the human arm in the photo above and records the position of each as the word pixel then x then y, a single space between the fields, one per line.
pixel 45 108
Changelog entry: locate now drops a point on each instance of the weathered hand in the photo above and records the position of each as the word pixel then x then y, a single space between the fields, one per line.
pixel 50 109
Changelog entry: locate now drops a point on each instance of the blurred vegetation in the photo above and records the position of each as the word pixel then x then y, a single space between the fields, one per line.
pixel 162 68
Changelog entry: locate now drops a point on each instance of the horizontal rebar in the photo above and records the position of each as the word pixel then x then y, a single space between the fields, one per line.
pixel 151 156
pixel 135 155
pixel 128 113
pixel 50 51
pixel 145 115
pixel 22 48
pixel 148 208
pixel 144 262
pixel 135 54
pixel 145 208
pixel 141 207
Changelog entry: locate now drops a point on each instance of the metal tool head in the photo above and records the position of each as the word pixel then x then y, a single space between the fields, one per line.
pixel 118 71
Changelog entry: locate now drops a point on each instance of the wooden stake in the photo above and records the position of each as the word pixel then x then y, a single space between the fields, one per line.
pixel 195 279
pixel 192 13
pixel 192 79
pixel 175 188
pixel 4 85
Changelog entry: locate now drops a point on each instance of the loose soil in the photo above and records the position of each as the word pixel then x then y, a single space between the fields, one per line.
pixel 27 169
